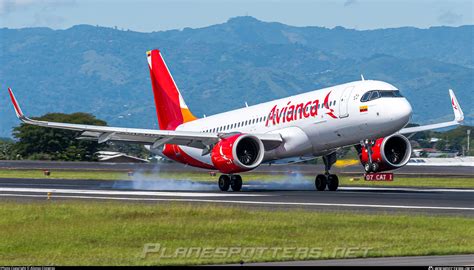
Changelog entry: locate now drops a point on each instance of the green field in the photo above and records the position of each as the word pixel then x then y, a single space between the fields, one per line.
pixel 452 182
pixel 112 233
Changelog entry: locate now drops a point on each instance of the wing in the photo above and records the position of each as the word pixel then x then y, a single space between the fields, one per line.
pixel 152 137
pixel 458 118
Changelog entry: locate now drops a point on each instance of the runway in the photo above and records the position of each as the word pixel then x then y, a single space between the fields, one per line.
pixel 313 169
pixel 361 199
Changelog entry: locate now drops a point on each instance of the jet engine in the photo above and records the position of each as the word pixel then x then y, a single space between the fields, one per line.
pixel 388 153
pixel 237 153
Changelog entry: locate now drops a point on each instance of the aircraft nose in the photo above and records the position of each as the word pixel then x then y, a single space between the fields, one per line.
pixel 404 110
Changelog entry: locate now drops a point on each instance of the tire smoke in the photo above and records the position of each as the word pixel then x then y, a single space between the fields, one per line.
pixel 151 180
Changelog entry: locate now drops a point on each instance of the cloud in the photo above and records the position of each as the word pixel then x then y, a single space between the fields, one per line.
pixel 38 12
pixel 449 17
pixel 47 19
pixel 11 6
pixel 350 2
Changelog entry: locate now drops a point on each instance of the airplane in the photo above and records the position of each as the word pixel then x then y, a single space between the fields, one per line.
pixel 368 114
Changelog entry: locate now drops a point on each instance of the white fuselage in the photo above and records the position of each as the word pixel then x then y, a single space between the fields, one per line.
pixel 309 127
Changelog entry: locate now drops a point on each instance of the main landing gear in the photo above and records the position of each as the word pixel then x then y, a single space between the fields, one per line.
pixel 331 181
pixel 233 181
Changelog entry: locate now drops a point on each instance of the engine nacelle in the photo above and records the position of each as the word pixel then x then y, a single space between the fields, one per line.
pixel 237 153
pixel 387 153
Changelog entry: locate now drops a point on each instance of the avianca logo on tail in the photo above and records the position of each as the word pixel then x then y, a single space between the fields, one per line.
pixel 292 112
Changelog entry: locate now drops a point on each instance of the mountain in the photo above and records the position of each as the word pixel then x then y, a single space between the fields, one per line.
pixel 104 70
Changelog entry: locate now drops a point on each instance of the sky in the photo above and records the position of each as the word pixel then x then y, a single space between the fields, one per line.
pixel 148 16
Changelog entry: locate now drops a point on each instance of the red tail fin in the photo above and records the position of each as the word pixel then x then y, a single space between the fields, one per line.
pixel 171 109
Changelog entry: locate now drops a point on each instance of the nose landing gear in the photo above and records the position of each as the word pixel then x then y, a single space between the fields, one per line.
pixel 370 166
pixel 331 181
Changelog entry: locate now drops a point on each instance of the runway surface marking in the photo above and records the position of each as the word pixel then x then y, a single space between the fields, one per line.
pixel 406 189
pixel 123 192
pixel 39 184
pixel 252 202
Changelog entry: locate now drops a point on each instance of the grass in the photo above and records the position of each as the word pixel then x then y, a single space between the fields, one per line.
pixel 112 233
pixel 452 182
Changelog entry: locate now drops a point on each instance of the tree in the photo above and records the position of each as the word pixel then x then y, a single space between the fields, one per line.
pixel 454 139
pixel 6 149
pixel 55 144
pixel 136 150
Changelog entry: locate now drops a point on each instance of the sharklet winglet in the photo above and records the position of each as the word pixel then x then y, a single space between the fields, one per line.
pixel 16 106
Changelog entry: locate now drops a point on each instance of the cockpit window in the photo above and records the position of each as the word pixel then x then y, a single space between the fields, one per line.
pixel 365 97
pixel 390 94
pixel 375 94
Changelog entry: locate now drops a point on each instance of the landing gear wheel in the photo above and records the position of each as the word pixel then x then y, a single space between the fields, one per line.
pixel 224 182
pixel 236 182
pixel 367 167
pixel 333 182
pixel 371 167
pixel 375 167
pixel 320 182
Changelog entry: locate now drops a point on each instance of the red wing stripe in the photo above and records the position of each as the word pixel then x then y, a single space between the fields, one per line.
pixel 15 104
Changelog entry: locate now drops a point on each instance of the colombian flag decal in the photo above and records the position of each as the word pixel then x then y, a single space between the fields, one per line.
pixel 363 108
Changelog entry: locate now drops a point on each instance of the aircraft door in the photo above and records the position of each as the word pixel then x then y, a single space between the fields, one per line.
pixel 344 102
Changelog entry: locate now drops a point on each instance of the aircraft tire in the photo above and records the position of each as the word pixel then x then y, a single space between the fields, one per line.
pixel 320 182
pixel 375 167
pixel 333 182
pixel 224 182
pixel 367 168
pixel 236 182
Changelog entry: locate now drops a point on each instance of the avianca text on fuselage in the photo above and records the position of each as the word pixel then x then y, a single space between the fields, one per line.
pixel 292 112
